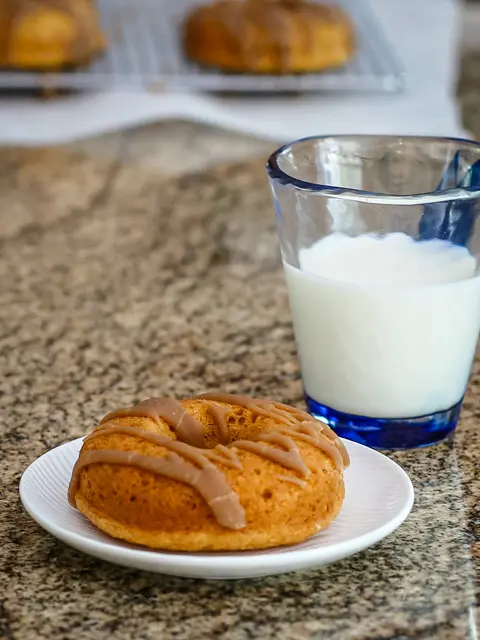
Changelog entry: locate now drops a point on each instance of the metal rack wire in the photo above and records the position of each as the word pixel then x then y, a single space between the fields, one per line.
pixel 145 52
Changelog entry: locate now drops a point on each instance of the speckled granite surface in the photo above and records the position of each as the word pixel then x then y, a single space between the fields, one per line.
pixel 469 91
pixel 117 284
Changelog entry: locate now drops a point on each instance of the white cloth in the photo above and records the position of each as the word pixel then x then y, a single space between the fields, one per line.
pixel 425 35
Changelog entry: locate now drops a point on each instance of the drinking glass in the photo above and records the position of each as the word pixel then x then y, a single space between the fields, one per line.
pixel 380 247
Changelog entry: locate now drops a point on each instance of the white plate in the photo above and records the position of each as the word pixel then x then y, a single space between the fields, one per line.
pixel 379 496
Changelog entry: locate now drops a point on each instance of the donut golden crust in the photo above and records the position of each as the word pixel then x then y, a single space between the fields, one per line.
pixel 277 478
pixel 262 36
pixel 48 34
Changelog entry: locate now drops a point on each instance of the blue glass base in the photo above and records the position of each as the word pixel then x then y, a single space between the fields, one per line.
pixel 387 433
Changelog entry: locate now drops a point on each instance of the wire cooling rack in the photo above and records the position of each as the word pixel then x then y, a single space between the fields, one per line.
pixel 145 52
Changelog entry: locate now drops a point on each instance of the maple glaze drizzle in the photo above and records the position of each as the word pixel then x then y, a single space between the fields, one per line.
pixel 187 427
pixel 286 453
pixel 294 480
pixel 202 475
pixel 224 455
pixel 218 413
pixel 267 408
pixel 312 433
pixel 320 434
pixel 265 26
pixel 189 462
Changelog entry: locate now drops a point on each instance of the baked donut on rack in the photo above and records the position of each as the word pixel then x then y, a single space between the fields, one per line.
pixel 213 472
pixel 49 35
pixel 269 36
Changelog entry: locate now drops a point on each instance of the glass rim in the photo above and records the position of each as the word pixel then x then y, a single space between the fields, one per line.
pixel 277 174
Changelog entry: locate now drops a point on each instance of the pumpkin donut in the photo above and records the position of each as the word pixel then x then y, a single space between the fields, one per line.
pixel 214 472
pixel 277 37
pixel 48 35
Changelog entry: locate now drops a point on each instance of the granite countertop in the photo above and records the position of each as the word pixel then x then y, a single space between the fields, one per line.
pixel 468 91
pixel 118 283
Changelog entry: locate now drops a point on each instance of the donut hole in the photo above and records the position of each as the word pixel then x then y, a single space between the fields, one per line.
pixel 267 494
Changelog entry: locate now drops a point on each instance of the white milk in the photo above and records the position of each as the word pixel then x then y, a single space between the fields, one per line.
pixel 386 327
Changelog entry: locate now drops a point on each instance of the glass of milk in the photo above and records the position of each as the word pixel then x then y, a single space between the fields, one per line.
pixel 380 246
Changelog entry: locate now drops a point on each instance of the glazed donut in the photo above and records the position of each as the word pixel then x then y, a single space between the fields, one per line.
pixel 214 472
pixel 256 36
pixel 49 35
